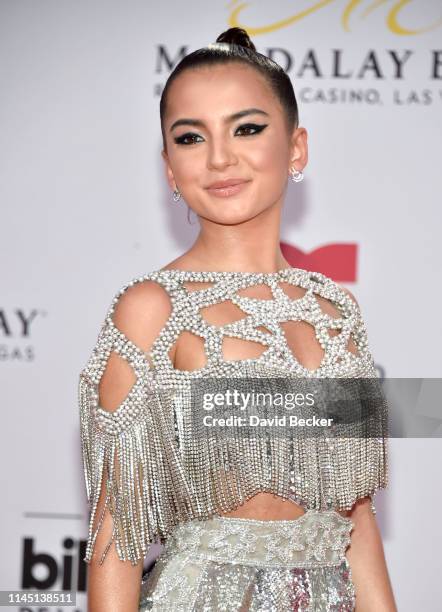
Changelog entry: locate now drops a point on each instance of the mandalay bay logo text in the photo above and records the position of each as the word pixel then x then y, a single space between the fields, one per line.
pixel 378 53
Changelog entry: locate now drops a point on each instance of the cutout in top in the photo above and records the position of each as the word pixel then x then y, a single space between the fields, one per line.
pixel 222 313
pixel 116 382
pixel 260 291
pixel 235 349
pixel 292 291
pixel 197 285
pixel 303 343
pixel 139 313
pixel 188 352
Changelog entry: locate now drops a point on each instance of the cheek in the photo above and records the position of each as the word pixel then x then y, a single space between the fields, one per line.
pixel 270 163
pixel 187 169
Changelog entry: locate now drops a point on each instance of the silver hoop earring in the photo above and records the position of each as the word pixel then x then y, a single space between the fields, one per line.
pixel 296 175
pixel 176 195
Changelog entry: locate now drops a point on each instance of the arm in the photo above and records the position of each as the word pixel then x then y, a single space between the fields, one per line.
pixel 114 584
pixel 367 562
pixel 366 556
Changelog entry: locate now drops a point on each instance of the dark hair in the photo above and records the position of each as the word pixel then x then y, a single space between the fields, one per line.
pixel 238 47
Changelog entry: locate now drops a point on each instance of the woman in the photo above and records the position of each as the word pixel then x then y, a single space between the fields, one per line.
pixel 246 525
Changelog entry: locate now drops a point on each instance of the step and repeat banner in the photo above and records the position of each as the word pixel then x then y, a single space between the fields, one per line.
pixel 85 207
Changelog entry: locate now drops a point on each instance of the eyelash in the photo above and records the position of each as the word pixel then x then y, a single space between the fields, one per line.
pixel 254 126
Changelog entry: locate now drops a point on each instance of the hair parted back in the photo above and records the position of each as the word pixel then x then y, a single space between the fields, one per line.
pixel 234 45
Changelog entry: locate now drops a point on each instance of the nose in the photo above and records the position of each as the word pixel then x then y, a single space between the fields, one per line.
pixel 220 154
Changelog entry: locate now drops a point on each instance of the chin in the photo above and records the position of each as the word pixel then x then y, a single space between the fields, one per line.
pixel 231 215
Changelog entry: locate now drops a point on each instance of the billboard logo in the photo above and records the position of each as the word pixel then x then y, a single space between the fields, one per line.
pixel 42 570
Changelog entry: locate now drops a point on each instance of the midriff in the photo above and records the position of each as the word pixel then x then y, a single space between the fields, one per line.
pixel 270 507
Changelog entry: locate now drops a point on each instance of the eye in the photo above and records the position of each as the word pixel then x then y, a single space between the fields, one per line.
pixel 183 139
pixel 256 129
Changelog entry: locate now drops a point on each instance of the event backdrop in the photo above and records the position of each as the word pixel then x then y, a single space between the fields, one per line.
pixel 86 207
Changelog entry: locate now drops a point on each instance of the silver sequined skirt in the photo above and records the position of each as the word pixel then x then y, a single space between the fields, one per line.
pixel 227 564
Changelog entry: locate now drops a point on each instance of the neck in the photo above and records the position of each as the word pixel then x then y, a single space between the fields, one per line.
pixel 253 245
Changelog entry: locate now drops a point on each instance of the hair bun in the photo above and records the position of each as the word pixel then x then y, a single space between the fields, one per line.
pixel 236 36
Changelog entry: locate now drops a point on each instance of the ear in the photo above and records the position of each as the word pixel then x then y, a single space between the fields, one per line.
pixel 299 148
pixel 168 169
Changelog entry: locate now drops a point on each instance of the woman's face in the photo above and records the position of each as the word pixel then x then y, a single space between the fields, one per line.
pixel 209 144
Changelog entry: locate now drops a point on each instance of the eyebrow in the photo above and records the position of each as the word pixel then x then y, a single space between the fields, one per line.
pixel 199 123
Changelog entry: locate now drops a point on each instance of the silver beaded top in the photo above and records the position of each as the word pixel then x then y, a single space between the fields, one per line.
pixel 156 474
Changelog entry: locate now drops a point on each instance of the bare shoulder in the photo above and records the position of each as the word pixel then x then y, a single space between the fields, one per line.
pixel 140 310
pixel 349 293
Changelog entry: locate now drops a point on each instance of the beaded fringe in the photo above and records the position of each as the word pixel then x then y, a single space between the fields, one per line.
pixel 137 473
pixel 151 484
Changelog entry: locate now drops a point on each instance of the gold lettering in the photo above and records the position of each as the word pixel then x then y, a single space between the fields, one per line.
pixel 391 19
pixel 277 25
pixel 395 27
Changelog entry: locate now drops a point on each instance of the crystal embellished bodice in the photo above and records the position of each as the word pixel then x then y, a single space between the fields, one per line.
pixel 261 320
pixel 290 323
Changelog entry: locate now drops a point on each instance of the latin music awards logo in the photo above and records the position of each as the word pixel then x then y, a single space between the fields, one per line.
pixel 337 261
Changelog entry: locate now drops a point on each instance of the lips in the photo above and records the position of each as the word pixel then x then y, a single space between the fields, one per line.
pixel 226 183
pixel 226 188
